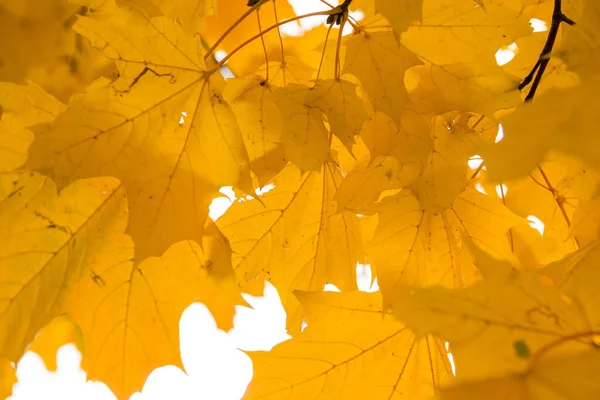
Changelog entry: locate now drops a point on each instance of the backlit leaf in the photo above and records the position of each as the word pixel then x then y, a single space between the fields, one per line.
pixel 374 356
pixel 379 62
pixel 136 129
pixel 297 239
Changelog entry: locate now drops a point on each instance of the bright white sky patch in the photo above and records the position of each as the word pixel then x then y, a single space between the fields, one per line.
pixel 538 25
pixel 306 24
pixel 500 134
pixel 182 118
pixel 475 161
pixel 536 224
pixel 214 367
pixel 479 187
pixel 505 54
pixel 501 190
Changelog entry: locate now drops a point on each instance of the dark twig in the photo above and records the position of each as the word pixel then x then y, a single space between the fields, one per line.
pixel 537 72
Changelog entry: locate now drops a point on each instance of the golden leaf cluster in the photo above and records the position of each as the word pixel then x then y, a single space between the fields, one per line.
pixel 404 145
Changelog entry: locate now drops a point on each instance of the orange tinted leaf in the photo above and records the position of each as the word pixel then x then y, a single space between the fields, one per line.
pixel 260 122
pixel 59 332
pixel 488 322
pixel 8 378
pixel 304 135
pixel 162 128
pixel 362 186
pixel 36 31
pixel 464 31
pixel 571 377
pixel 413 246
pixel 345 112
pixel 48 241
pixel 298 241
pixel 189 13
pixel 400 13
pixel 124 311
pixel 373 356
pixel 474 87
pixel 379 62
pixel 22 107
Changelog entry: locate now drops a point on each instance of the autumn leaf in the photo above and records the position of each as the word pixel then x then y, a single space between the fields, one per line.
pixel 373 356
pixel 379 63
pixel 36 29
pixel 256 110
pixel 47 245
pixel 414 246
pixel 124 310
pixel 577 276
pixel 323 249
pixel 22 107
pixel 560 377
pixel 448 146
pixel 497 324
pixel 557 111
pixel 169 185
pixel 60 331
pixel 464 31
pixel 7 378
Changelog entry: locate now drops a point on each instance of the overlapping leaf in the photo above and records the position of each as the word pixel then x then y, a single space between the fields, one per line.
pixel 124 311
pixel 561 119
pixel 570 377
pixel 373 356
pixel 47 243
pixel 379 62
pixel 496 325
pixel 296 239
pixel 162 128
pixel 22 107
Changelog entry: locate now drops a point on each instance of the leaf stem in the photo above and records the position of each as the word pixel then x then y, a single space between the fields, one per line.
pixel 280 41
pixel 478 170
pixel 324 49
pixel 549 346
pixel 537 72
pixel 233 26
pixel 338 67
pixel 262 39
pixel 253 38
pixel 559 199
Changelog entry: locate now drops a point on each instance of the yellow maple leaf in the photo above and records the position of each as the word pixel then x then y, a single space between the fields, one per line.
pixel 169 184
pixel 337 99
pixel 124 310
pixel 571 377
pixel 270 240
pixel 379 63
pixel 258 115
pixel 479 88
pixel 36 30
pixel 496 325
pixel 252 55
pixel 7 378
pixel 57 333
pixel 22 107
pixel 373 356
pixel 413 246
pixel 577 276
pixel 304 134
pixel 560 119
pixel 370 144
pixel 464 31
pixel 47 240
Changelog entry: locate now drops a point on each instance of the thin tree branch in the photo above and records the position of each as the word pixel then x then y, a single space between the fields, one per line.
pixel 537 72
